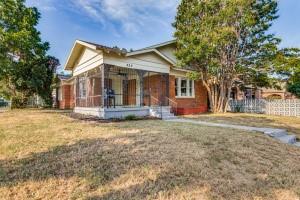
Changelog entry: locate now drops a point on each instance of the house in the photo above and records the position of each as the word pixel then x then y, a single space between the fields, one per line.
pixel 249 92
pixel 112 83
pixel 62 95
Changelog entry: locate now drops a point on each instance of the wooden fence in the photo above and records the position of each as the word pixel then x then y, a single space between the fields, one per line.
pixel 289 107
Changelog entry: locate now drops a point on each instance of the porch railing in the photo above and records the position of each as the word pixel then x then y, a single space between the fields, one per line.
pixel 124 100
pixel 173 104
pixel 90 101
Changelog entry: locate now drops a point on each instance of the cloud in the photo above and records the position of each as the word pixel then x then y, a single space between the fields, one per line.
pixel 45 5
pixel 132 15
pixel 119 16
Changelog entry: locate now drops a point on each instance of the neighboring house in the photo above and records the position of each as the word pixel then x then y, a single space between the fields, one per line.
pixel 261 93
pixel 63 95
pixel 111 83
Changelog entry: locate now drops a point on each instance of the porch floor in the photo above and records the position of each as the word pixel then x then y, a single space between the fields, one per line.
pixel 123 111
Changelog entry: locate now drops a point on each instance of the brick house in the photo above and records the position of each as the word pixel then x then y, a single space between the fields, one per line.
pixel 261 93
pixel 113 83
pixel 64 95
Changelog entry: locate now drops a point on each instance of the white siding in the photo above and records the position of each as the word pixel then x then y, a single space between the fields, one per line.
pixel 88 60
pixel 151 57
pixel 168 51
pixel 143 62
pixel 178 73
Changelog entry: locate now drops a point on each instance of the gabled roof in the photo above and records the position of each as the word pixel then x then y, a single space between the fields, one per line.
pixel 153 49
pixel 80 44
pixel 102 47
pixel 159 45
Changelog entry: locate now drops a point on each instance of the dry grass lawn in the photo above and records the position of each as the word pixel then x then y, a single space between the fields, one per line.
pixel 47 155
pixel 292 124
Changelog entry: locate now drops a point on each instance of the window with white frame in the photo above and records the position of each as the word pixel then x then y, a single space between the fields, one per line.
pixel 184 87
pixel 82 87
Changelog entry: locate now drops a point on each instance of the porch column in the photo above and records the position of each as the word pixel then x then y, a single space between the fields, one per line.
pixel 76 90
pixel 102 70
pixel 167 78
pixel 104 77
pixel 86 80
pixel 165 94
pixel 141 74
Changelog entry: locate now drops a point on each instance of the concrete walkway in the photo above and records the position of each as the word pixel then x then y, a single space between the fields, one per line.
pixel 279 134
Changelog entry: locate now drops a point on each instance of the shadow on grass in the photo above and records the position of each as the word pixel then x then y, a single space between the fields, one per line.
pixel 184 165
pixel 99 161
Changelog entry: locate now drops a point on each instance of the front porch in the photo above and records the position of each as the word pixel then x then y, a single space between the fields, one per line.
pixel 116 92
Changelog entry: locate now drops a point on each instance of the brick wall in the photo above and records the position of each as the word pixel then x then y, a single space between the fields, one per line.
pixel 186 106
pixel 156 87
pixel 67 99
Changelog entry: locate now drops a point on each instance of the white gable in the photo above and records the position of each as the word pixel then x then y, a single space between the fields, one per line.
pixel 168 51
pixel 151 57
pixel 147 62
pixel 88 60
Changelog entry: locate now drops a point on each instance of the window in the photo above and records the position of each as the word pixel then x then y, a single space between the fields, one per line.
pixel 82 87
pixel 184 87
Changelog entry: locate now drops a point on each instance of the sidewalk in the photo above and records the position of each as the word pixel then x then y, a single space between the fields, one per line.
pixel 279 134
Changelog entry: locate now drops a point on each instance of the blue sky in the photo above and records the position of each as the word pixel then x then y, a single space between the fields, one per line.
pixel 131 23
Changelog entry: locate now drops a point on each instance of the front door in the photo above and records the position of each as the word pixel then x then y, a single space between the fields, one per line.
pixel 129 92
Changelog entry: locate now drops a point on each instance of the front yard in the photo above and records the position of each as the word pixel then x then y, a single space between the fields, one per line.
pixel 48 155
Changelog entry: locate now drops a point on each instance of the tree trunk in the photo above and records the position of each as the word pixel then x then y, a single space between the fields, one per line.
pixel 218 97
pixel 218 94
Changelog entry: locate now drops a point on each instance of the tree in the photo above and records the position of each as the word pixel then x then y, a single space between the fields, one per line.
pixel 294 88
pixel 287 65
pixel 25 68
pixel 225 41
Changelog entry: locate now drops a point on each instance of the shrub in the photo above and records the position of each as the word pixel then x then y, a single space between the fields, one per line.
pixel 130 117
pixel 238 108
pixel 18 102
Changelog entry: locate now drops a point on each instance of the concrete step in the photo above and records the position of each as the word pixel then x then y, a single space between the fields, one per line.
pixel 162 112
pixel 288 139
pixel 158 110
pixel 169 117
pixel 166 114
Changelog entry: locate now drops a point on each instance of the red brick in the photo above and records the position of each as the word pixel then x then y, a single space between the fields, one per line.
pixel 157 86
pixel 198 104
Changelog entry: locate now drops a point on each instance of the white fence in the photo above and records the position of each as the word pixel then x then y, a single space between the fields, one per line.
pixel 289 107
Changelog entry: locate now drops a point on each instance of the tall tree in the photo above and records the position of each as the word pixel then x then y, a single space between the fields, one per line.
pixel 24 64
pixel 287 66
pixel 226 40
